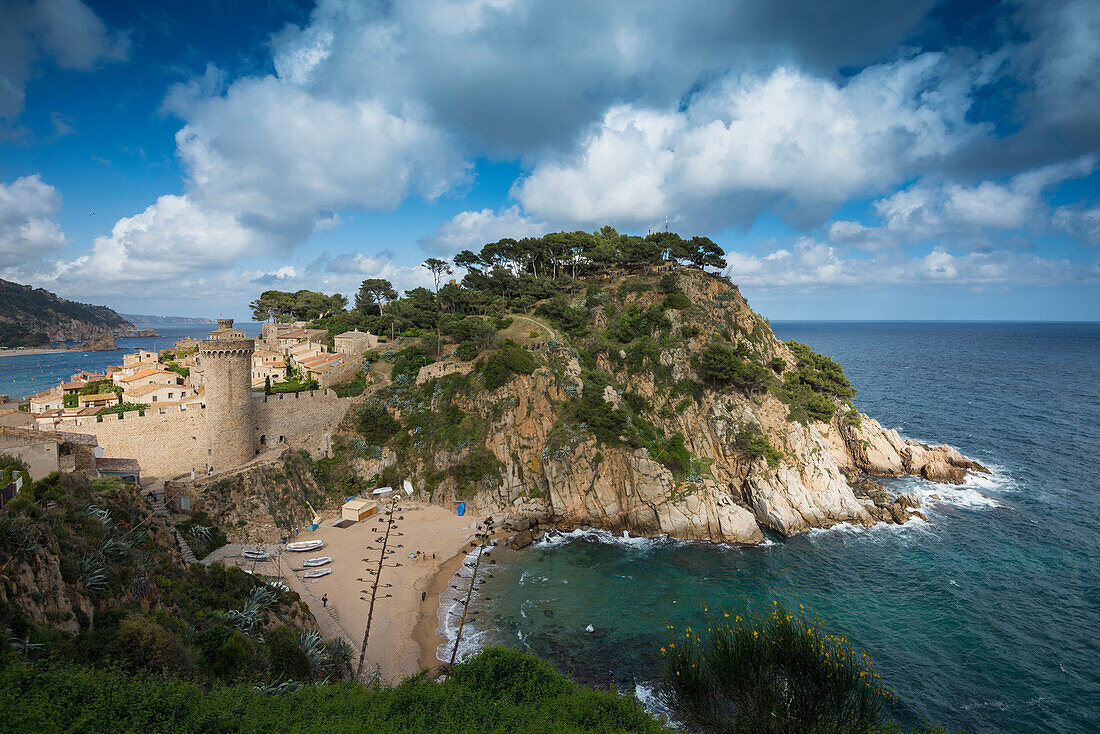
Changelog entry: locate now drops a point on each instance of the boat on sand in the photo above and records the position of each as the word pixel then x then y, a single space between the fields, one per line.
pixel 305 545
pixel 317 573
pixel 317 561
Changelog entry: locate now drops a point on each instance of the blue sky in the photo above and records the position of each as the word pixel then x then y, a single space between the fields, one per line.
pixel 857 160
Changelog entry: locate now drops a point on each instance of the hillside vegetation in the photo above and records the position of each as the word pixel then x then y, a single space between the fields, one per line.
pixel 91 576
pixel 35 317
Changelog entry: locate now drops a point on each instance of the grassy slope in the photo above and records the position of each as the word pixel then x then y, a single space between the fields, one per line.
pixel 498 691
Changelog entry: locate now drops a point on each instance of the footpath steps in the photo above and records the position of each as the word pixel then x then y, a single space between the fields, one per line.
pixel 160 509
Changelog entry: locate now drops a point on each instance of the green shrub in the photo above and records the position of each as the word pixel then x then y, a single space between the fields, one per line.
pixel 467 351
pixel 470 471
pixel 676 301
pixel 777 364
pixel 751 441
pixel 123 408
pixel 822 374
pixel 375 424
pixel 572 320
pixel 500 367
pixel 286 655
pixel 143 645
pixel 776 673
pixel 408 363
pixel 353 387
pixel 495 692
pixel 722 364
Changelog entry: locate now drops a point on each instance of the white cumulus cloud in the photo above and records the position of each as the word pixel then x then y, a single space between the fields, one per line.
pixel 27 229
pixel 787 136
pixel 473 229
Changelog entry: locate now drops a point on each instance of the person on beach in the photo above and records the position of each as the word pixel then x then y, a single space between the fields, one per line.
pixel 324 601
pixel 423 596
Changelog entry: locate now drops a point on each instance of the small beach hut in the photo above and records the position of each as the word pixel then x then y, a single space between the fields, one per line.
pixel 356 510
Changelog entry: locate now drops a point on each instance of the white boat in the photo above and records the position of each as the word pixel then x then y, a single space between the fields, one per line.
pixel 255 555
pixel 317 573
pixel 305 545
pixel 317 561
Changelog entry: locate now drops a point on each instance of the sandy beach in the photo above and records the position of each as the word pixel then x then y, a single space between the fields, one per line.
pixel 403 637
pixel 33 350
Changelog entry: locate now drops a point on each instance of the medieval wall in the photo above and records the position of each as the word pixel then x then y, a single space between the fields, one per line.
pixel 177 442
pixel 298 420
pixel 165 445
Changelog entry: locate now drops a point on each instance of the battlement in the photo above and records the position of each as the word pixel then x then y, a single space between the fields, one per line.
pixel 227 347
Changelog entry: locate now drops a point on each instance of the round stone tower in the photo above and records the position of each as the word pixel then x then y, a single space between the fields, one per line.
pixel 226 359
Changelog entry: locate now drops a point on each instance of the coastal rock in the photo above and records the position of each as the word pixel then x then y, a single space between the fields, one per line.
pixel 883 452
pixel 909 500
pixel 521 540
pixel 97 344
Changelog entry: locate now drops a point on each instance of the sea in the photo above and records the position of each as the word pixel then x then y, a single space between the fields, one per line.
pixel 986 618
pixel 26 374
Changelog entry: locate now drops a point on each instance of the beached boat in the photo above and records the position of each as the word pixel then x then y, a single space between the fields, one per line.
pixel 318 561
pixel 317 573
pixel 305 545
pixel 255 555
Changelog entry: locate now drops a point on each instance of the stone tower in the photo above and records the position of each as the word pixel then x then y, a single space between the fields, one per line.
pixel 226 358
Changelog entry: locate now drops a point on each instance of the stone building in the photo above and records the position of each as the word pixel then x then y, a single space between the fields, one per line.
pixel 354 342
pixel 226 358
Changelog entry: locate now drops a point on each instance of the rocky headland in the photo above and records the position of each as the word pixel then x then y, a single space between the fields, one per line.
pixel 656 436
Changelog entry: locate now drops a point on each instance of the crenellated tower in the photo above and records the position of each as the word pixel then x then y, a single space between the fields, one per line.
pixel 226 359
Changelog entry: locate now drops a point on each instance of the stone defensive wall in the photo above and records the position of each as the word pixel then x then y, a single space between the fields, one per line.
pixel 164 444
pixel 440 369
pixel 176 440
pixel 303 420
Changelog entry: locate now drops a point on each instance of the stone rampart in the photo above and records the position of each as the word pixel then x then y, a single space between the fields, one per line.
pixel 164 444
pixel 171 441
pixel 299 420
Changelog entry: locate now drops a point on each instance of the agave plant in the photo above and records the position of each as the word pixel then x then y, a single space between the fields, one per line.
pixel 263 597
pixel 93 575
pixel 278 686
pixel 314 648
pixel 114 547
pixel 340 654
pixel 201 532
pixel 25 649
pixel 99 513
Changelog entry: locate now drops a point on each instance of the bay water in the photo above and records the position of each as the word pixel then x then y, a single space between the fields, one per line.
pixel 26 374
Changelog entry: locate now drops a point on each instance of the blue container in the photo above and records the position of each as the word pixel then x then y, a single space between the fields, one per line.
pixel 461 508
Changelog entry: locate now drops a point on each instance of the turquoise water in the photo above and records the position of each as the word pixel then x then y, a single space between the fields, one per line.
pixel 987 618
pixel 26 374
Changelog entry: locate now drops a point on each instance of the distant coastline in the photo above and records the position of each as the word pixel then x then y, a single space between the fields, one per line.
pixel 145 320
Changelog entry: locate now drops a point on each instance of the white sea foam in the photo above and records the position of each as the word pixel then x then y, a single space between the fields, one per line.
pixel 450 616
pixel 647 696
pixel 634 542
pixel 847 528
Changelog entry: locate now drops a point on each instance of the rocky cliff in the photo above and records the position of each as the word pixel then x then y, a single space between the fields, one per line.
pixel 660 405
pixel 37 311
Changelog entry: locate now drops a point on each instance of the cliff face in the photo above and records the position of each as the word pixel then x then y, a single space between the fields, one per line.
pixel 34 310
pixel 546 465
